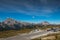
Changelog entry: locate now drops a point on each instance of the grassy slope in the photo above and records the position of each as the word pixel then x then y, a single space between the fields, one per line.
pixel 4 34
pixel 57 36
pixel 10 33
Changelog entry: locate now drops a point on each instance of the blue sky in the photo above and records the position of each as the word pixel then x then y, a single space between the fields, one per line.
pixel 34 11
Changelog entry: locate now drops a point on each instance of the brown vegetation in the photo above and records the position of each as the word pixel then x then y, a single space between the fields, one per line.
pixel 49 37
pixel 4 34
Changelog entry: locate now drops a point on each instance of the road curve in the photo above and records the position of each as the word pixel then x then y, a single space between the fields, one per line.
pixel 29 36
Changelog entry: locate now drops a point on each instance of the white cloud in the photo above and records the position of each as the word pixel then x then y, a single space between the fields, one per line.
pixel 44 11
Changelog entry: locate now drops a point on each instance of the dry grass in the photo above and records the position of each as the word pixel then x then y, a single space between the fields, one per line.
pixel 4 34
pixel 50 37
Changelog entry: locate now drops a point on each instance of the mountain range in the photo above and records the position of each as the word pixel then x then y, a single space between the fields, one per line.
pixel 11 24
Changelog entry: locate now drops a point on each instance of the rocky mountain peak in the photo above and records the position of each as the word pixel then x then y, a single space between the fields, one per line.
pixel 9 21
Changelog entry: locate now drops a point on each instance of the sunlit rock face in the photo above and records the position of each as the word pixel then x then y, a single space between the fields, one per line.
pixel 9 21
pixel 44 23
pixel 14 24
